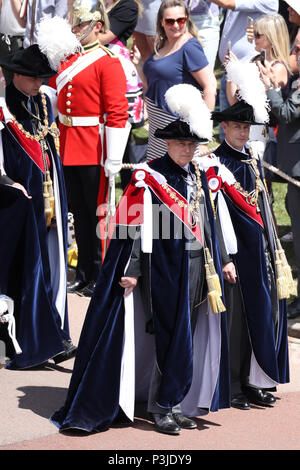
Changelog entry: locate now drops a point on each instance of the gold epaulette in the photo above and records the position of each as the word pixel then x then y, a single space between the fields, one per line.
pixel 108 51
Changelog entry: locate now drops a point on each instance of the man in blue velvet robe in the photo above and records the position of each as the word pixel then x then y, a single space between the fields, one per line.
pixel 33 250
pixel 256 314
pixel 150 333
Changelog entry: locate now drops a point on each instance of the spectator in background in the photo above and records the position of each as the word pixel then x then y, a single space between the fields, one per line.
pixel 178 58
pixel 206 18
pixel 287 111
pixel 270 33
pixel 234 30
pixel 11 34
pixel 30 12
pixel 145 30
pixel 294 19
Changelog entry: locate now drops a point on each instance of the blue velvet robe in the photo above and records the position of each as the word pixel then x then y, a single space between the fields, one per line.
pixel 93 397
pixel 266 319
pixel 25 272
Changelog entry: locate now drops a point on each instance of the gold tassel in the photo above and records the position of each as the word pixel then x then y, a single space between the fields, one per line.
pixel 48 210
pixel 54 131
pixel 214 276
pixel 51 192
pixel 282 285
pixel 287 271
pixel 213 295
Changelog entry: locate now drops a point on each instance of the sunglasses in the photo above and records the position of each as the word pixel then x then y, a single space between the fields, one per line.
pixel 171 21
pixel 258 35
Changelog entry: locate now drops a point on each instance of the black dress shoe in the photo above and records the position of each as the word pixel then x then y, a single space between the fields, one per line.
pixel 88 290
pixel 268 396
pixel 258 396
pixel 240 401
pixel 293 309
pixel 69 352
pixel 166 424
pixel 76 286
pixel 184 422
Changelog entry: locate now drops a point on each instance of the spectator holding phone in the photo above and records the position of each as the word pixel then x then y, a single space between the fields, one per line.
pixel 286 108
pixel 271 41
pixel 234 30
pixel 294 19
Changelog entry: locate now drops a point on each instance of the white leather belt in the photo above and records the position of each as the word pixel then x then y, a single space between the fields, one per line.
pixel 71 121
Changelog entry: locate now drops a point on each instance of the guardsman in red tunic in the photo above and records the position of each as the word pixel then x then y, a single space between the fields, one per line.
pixel 94 129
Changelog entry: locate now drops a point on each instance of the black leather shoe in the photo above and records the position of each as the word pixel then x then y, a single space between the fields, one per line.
pixel 184 422
pixel 88 290
pixel 76 286
pixel 293 309
pixel 268 396
pixel 258 396
pixel 69 352
pixel 240 401
pixel 166 424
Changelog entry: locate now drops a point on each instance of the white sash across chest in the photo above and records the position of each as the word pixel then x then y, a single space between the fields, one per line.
pixel 80 64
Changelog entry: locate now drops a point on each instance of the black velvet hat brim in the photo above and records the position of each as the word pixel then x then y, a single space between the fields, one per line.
pixel 30 62
pixel 238 112
pixel 178 130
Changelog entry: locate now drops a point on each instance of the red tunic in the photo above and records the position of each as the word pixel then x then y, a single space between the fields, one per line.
pixel 97 90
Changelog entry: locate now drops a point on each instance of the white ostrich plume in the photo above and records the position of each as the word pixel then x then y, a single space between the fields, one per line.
pixel 250 87
pixel 186 101
pixel 56 40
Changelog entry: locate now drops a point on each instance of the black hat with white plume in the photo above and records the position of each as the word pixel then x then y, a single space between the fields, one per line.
pixel 194 118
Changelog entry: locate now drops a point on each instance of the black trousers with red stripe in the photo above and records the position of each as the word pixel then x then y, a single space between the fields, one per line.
pixel 82 185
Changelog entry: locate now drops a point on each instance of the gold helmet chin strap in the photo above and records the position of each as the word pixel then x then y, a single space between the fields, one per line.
pixel 88 30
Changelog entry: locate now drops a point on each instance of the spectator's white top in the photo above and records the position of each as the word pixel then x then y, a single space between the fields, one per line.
pixel 147 22
pixel 44 8
pixel 8 22
pixel 236 22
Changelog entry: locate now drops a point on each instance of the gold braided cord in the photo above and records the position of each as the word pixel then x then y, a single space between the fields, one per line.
pixel 252 197
pixel 45 128
pixel 191 207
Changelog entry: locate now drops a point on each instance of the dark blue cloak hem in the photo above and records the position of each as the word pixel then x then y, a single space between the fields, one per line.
pixel 92 401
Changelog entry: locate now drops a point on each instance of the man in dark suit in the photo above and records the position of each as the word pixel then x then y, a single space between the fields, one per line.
pixel 287 112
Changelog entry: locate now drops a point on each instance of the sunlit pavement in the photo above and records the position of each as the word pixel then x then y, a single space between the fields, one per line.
pixel 29 397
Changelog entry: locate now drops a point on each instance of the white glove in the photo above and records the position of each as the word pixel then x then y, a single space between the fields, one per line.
pixel 116 141
pixel 112 168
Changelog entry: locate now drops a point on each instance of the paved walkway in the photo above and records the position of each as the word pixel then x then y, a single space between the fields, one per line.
pixel 30 397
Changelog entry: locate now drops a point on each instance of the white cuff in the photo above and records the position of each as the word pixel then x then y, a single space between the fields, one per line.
pixel 116 141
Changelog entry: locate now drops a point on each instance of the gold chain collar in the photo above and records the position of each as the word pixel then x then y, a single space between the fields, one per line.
pixel 252 197
pixel 45 129
pixel 192 208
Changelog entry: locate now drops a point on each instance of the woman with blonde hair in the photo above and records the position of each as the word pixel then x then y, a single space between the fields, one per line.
pixel 270 34
pixel 178 58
